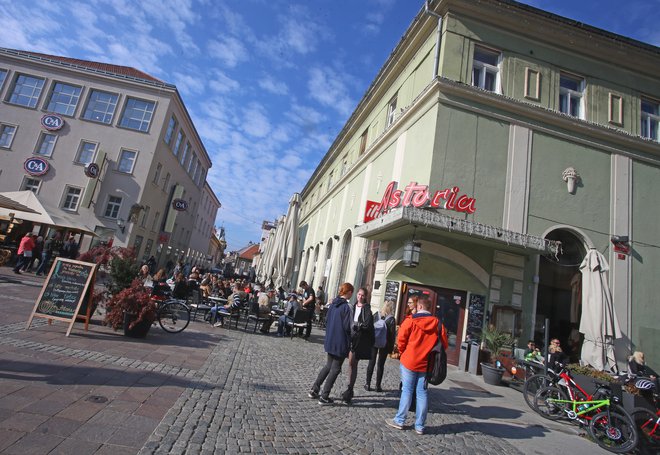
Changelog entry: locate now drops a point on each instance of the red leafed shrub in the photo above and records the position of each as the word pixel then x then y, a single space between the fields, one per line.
pixel 136 300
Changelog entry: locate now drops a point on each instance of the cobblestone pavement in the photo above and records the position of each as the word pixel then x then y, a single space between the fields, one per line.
pixel 212 390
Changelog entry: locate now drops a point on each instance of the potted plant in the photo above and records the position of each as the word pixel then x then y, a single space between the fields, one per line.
pixel 131 309
pixel 493 340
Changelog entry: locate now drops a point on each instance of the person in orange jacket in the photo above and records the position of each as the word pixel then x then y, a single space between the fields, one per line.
pixel 418 335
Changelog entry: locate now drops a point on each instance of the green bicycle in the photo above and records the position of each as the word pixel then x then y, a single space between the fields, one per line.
pixel 609 424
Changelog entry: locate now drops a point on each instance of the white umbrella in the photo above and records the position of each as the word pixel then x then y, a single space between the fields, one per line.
pixel 290 240
pixel 263 261
pixel 273 269
pixel 598 322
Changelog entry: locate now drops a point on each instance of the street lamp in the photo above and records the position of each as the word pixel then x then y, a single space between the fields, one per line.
pixel 411 251
pixel 121 225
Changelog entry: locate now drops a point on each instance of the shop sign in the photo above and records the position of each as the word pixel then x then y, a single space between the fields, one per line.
pixel 419 196
pixel 180 205
pixel 36 166
pixel 52 122
pixel 92 170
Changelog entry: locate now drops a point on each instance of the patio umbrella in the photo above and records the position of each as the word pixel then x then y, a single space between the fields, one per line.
pixel 290 239
pixel 598 323
pixel 10 204
pixel 276 252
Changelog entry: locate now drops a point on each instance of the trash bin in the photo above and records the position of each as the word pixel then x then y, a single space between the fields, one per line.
pixel 474 358
pixel 463 356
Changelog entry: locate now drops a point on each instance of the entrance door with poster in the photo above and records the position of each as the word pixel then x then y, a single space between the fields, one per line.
pixel 449 306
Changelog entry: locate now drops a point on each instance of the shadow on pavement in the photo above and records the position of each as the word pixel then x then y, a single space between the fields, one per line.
pixel 487 412
pixel 498 430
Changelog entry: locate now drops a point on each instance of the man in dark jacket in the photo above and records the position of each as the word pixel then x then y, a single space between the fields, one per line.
pixel 362 340
pixel 337 344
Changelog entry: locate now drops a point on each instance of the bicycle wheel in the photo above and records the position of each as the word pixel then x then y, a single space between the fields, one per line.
pixel 173 316
pixel 544 402
pixel 613 431
pixel 647 425
pixel 532 385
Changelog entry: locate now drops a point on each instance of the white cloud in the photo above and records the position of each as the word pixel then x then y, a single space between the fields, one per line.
pixel 221 83
pixel 273 86
pixel 229 50
pixel 188 83
pixel 329 88
pixel 256 122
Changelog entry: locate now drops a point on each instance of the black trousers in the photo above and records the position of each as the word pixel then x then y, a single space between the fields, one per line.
pixel 329 374
pixel 381 354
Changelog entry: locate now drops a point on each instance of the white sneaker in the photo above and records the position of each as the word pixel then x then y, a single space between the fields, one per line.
pixel 218 324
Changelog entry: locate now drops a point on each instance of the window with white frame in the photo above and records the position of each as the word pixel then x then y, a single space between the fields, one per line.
pixel 571 91
pixel 71 198
pixel 650 119
pixel 391 110
pixel 86 152
pixel 166 183
pixel 486 69
pixel 363 142
pixel 7 133
pixel 197 173
pixel 46 144
pixel 184 154
pixel 126 161
pixel 31 184
pixel 145 216
pixel 171 126
pixel 64 99
pixel 26 90
pixel 177 144
pixel 3 76
pixel 159 169
pixel 137 114
pixel 112 207
pixel 191 164
pixel 101 106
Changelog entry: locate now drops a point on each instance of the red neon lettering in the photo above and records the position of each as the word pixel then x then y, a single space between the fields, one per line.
pixel 395 200
pixel 384 203
pixel 421 198
pixel 465 204
pixel 411 189
pixel 451 202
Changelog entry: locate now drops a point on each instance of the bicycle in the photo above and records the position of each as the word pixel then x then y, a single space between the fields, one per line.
pixel 536 381
pixel 173 315
pixel 647 422
pixel 611 426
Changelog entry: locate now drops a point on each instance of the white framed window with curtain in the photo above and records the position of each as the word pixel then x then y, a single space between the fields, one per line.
pixel 391 110
pixel 7 133
pixel 46 144
pixel 486 69
pixel 86 152
pixel 571 95
pixel 126 161
pixel 112 207
pixel 71 198
pixel 650 119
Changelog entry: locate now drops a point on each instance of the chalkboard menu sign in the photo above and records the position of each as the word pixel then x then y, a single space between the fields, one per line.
pixel 65 290
pixel 392 291
pixel 476 308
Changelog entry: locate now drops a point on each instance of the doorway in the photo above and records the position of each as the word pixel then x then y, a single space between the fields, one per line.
pixel 449 306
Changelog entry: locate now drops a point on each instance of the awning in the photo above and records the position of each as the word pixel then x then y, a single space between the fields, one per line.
pixel 42 213
pixel 397 222
pixel 10 204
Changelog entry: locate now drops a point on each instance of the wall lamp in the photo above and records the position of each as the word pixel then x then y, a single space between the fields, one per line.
pixel 121 224
pixel 411 251
pixel 621 244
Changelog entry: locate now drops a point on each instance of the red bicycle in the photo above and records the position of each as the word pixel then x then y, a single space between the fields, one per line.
pixel 646 421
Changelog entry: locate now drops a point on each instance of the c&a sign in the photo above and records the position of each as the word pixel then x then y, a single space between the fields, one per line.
pixel 419 196
pixel 36 166
pixel 52 122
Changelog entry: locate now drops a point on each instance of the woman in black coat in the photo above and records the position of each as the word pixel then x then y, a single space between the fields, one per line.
pixel 387 314
pixel 362 340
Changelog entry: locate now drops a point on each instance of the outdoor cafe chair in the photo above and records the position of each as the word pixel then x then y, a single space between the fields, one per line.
pixel 299 321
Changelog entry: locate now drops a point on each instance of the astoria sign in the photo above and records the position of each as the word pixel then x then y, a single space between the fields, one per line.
pixel 417 195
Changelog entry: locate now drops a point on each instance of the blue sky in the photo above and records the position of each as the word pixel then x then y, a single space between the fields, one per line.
pixel 268 83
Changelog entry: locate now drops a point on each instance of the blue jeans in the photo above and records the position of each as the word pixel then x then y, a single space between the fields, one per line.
pixel 281 324
pixel 412 380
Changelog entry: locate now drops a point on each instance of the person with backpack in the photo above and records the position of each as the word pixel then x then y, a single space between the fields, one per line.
pixel 384 334
pixel 417 336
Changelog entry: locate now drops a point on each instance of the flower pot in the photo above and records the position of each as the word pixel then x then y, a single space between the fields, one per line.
pixel 139 330
pixel 492 375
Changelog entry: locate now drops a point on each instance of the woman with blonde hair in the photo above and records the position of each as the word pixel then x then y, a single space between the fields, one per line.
pixel 387 314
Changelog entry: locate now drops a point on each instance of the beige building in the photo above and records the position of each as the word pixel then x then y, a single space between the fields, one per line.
pixel 110 149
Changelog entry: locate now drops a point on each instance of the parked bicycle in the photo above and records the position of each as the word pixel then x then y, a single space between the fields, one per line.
pixel 173 315
pixel 646 421
pixel 536 381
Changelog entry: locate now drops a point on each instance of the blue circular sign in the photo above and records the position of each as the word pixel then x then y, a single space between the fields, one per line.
pixel 36 166
pixel 52 122
pixel 180 204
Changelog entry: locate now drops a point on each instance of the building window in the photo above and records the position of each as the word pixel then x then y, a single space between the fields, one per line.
pixel 126 161
pixel 3 76
pixel 71 198
pixel 159 169
pixel 112 207
pixel 191 165
pixel 177 144
pixel 330 182
pixel 391 110
pixel 101 107
pixel 147 248
pixel 64 99
pixel 145 216
pixel 154 224
pixel 363 142
pixel 27 90
pixel 486 69
pixel 6 135
pixel 650 119
pixel 571 90
pixel 46 144
pixel 31 184
pixel 198 173
pixel 137 114
pixel 166 183
pixel 184 154
pixel 86 152
pixel 170 130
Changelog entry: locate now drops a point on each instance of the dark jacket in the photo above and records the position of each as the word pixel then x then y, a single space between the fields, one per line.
pixel 390 323
pixel 339 321
pixel 363 336
pixel 180 290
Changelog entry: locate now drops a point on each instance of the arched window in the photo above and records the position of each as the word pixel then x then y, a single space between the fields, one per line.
pixel 343 260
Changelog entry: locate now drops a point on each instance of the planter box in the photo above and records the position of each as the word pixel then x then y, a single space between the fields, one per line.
pixel 630 402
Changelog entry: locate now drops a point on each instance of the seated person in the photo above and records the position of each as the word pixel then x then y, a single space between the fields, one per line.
pixel 264 300
pixel 532 353
pixel 289 311
pixel 161 289
pixel 205 285
pixel 556 356
pixel 180 290
pixel 637 367
pixel 145 276
pixel 218 312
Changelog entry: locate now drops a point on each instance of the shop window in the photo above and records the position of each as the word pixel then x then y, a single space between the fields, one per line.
pixel 650 119
pixel 46 144
pixel 571 91
pixel 101 106
pixel 137 114
pixel 26 90
pixel 7 133
pixel 86 152
pixel 486 69
pixel 64 99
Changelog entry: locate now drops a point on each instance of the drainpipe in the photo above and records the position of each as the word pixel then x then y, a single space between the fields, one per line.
pixel 436 59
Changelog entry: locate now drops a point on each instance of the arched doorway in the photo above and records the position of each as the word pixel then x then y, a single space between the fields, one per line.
pixel 343 260
pixel 559 292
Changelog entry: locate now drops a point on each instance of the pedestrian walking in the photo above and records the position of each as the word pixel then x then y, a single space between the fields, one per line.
pixel 418 335
pixel 36 254
pixel 388 324
pixel 46 255
pixel 337 344
pixel 362 340
pixel 24 251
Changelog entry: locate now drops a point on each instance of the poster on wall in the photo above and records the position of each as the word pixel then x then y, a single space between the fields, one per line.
pixel 476 308
pixel 392 291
